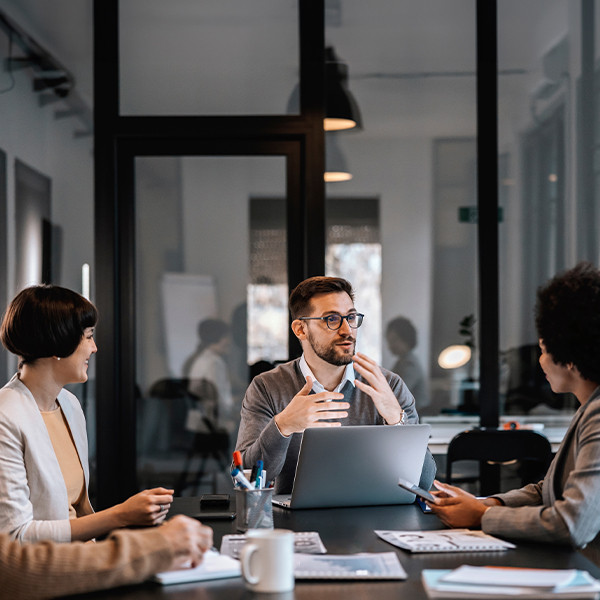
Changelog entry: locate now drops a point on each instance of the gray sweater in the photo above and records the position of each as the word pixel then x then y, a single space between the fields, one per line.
pixel 270 392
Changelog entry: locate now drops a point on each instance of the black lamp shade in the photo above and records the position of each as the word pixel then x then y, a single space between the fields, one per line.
pixel 341 109
pixel 335 163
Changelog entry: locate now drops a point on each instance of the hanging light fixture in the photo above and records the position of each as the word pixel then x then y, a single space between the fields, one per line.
pixel 341 109
pixel 335 162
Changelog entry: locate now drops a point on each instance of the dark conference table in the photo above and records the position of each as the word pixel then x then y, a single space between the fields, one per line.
pixel 347 531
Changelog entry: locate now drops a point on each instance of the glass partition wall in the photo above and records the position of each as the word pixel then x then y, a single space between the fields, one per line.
pixel 547 164
pixel 410 254
pixel 211 302
pixel 211 234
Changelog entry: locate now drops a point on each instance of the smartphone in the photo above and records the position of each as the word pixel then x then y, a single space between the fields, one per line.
pixel 215 515
pixel 214 501
pixel 415 489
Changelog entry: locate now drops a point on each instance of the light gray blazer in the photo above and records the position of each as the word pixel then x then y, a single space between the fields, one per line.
pixel 33 495
pixel 562 508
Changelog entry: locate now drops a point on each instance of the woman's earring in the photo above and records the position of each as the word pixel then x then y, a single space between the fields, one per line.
pixel 58 358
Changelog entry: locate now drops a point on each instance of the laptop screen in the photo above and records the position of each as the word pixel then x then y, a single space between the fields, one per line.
pixel 358 465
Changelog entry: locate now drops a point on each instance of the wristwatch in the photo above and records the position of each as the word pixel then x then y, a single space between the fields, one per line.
pixel 402 420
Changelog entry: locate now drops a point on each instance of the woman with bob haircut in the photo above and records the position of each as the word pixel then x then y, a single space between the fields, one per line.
pixel 44 473
pixel 563 507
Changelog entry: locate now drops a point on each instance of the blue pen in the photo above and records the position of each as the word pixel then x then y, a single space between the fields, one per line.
pixel 240 478
pixel 259 471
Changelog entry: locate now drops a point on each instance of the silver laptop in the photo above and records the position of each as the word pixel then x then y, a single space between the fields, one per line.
pixel 356 466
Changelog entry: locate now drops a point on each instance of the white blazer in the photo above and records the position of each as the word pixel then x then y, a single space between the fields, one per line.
pixel 33 495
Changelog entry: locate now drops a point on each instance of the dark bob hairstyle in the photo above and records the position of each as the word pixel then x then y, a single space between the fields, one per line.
pixel 44 321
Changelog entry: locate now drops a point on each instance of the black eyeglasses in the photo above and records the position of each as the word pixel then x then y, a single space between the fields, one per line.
pixel 334 322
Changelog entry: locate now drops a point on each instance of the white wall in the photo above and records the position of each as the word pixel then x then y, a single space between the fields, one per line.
pixel 31 133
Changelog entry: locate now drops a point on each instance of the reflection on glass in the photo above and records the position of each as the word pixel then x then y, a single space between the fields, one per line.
pixel 412 73
pixel 542 190
pixel 267 322
pixel 360 264
pixel 197 289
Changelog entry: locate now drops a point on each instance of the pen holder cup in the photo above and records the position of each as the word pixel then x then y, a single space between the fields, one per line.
pixel 254 509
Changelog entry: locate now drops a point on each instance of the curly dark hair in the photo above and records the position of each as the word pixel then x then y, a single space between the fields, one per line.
pixel 302 294
pixel 567 317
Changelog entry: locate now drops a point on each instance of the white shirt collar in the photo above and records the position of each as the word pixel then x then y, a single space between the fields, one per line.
pixel 317 387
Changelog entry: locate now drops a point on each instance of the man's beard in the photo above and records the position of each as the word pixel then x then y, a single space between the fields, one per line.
pixel 330 353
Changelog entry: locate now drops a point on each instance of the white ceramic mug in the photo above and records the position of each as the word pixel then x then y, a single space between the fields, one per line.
pixel 268 560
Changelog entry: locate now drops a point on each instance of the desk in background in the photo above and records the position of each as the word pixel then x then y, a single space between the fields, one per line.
pixel 347 531
pixel 445 427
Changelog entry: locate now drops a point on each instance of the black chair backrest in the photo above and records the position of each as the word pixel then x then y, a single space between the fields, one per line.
pixel 498 446
pixel 169 388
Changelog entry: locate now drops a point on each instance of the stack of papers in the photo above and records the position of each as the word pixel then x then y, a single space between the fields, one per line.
pixel 508 582
pixel 305 542
pixel 444 540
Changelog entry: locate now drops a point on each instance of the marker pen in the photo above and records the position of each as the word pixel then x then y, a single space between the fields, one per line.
pixel 240 478
pixel 237 459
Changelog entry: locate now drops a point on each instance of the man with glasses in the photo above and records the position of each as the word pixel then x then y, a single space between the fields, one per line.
pixel 328 386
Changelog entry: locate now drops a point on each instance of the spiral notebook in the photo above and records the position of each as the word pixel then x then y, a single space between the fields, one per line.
pixel 444 540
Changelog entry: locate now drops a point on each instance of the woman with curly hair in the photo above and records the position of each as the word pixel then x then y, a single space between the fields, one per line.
pixel 563 507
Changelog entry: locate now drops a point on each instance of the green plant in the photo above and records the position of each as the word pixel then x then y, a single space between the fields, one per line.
pixel 467 329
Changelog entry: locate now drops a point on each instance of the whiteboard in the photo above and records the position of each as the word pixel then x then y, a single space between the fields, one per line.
pixel 186 300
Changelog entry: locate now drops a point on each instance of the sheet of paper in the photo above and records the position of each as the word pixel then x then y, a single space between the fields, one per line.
pixel 511 576
pixel 305 542
pixel 366 565
pixel 213 566
pixel 444 540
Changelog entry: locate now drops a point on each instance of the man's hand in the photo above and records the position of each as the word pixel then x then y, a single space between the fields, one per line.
pixel 188 539
pixel 377 388
pixel 457 508
pixel 310 410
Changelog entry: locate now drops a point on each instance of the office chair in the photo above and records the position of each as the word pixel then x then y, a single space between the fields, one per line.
pixel 210 441
pixel 496 447
pixel 167 431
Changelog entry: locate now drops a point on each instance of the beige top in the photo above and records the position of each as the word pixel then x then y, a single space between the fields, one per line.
pixel 68 459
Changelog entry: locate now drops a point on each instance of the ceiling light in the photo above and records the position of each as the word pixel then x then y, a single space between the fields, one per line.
pixel 335 162
pixel 341 109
